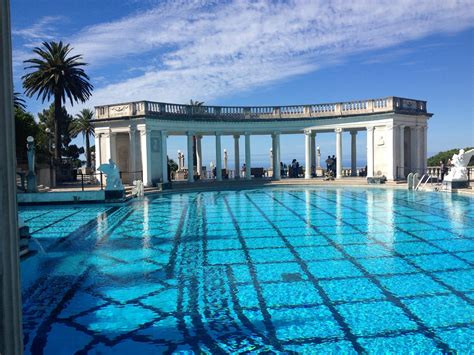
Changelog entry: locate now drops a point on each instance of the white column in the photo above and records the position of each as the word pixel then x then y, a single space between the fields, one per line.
pixel 276 156
pixel 313 149
pixel 353 153
pixel 199 156
pixel 97 144
pixel 338 152
pixel 218 157
pixel 145 146
pixel 164 156
pixel 390 152
pixel 370 151
pixel 401 152
pixel 110 146
pixel 248 162
pixel 11 337
pixel 425 148
pixel 190 157
pixel 132 159
pixel 414 166
pixel 236 156
pixel 307 155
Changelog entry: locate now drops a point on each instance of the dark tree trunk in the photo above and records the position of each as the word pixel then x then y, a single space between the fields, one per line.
pixel 57 126
pixel 88 152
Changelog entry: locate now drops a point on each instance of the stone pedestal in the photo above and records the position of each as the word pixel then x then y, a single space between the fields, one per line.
pixel 31 185
pixel 451 185
pixel 114 194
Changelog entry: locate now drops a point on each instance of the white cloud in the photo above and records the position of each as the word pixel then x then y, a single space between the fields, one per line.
pixel 192 49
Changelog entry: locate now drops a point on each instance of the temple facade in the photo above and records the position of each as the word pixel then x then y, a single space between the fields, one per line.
pixel 135 134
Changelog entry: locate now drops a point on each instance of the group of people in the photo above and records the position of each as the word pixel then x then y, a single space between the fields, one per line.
pixel 331 163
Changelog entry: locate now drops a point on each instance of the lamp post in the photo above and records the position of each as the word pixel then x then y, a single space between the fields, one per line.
pixel 31 176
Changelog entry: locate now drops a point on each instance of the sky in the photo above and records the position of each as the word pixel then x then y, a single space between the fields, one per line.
pixel 266 53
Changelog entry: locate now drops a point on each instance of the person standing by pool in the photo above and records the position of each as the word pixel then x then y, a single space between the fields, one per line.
pixel 442 170
pixel 244 169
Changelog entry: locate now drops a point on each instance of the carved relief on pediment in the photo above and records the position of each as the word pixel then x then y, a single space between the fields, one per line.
pixel 119 110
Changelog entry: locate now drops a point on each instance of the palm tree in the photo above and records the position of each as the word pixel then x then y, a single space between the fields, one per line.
pixel 18 102
pixel 57 74
pixel 82 124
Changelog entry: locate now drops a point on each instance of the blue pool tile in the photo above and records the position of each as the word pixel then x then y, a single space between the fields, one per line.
pixel 455 245
pixel 225 257
pixel 333 268
pixel 434 234
pixel 366 250
pixel 460 339
pixel 114 320
pixel 467 256
pixel 411 285
pixel 383 266
pixel 414 248
pixel 82 301
pixel 130 347
pixel 165 301
pixel 318 253
pixel 269 255
pixel 408 344
pixel 264 242
pixel 290 294
pixel 307 240
pixel 277 271
pixel 223 243
pixel 438 262
pixel 247 296
pixel 439 311
pixel 351 290
pixel 461 280
pixel 375 318
pixel 164 330
pixel 124 294
pixel 301 323
pixel 330 347
pixel 71 340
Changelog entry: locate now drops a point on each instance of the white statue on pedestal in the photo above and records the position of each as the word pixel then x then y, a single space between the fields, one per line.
pixel 113 176
pixel 459 170
pixel 138 189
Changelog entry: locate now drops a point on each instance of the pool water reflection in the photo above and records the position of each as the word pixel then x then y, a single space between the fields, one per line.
pixel 275 269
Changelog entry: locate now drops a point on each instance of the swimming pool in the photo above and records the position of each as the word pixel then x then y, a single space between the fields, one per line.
pixel 333 270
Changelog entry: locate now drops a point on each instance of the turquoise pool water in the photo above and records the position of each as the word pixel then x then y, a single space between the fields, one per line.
pixel 277 270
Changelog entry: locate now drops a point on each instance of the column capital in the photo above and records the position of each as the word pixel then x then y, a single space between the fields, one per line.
pixel 248 133
pixel 353 133
pixel 308 132
pixel 276 133
pixel 390 126
pixel 402 126
pixel 338 130
pixel 190 133
pixel 370 128
pixel 236 136
pixel 218 134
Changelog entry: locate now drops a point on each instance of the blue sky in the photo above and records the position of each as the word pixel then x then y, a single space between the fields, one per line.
pixel 267 53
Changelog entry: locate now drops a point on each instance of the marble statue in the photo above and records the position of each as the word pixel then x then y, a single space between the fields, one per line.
pixel 459 170
pixel 112 172
pixel 138 189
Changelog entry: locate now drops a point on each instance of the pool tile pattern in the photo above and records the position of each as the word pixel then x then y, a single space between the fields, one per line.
pixel 273 270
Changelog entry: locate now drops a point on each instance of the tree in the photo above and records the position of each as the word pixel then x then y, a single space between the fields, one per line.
pixel 47 121
pixel 81 124
pixel 58 74
pixel 25 126
pixel 445 156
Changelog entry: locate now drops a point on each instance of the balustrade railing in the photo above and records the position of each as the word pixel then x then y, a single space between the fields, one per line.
pixel 148 108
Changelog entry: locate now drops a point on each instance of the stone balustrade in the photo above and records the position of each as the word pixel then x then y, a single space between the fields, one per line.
pixel 360 107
